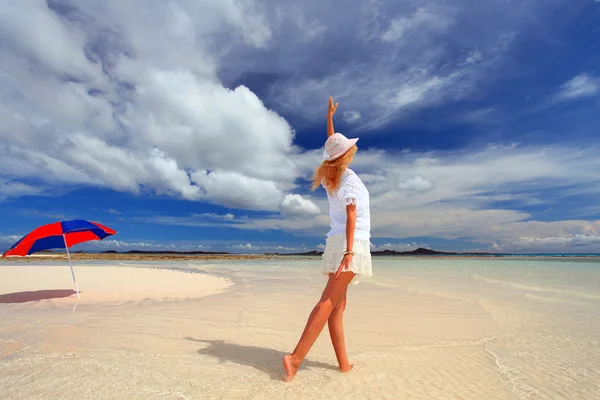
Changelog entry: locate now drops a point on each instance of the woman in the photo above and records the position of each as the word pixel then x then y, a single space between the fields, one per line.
pixel 347 253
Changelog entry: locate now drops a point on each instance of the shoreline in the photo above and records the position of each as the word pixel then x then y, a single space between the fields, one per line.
pixel 224 257
pixel 148 257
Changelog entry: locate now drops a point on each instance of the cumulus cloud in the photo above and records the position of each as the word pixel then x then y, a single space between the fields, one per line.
pixel 584 85
pixel 294 204
pixel 416 183
pixel 100 97
pixel 146 97
pixel 569 243
pixel 121 246
pixel 464 194
pixel 9 240
pixel 267 248
pixel 397 246
pixel 453 194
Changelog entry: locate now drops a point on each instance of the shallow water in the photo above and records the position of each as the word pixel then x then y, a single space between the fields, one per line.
pixel 419 329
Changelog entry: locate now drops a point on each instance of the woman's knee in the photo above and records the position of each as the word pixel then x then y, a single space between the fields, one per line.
pixel 324 306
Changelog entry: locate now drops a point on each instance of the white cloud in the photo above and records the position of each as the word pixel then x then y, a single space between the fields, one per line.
pixel 351 117
pixel 226 217
pixel 569 243
pixel 459 194
pixel 575 240
pixel 462 194
pixel 236 190
pixel 124 246
pixel 416 183
pixel 17 189
pixel 60 48
pixel 8 240
pixel 266 248
pixel 145 97
pixel 294 205
pixel 197 220
pixel 422 18
pixel 584 85
pixel 125 95
pixel 121 245
pixel 401 58
pixel 397 246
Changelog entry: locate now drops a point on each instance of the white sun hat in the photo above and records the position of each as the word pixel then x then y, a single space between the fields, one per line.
pixel 336 146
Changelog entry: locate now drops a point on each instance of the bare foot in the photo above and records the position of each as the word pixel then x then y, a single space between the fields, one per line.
pixel 290 368
pixel 346 368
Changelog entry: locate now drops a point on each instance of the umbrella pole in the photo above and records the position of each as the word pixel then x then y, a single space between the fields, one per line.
pixel 71 266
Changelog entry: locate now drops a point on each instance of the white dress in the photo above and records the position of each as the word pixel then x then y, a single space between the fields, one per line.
pixel 351 191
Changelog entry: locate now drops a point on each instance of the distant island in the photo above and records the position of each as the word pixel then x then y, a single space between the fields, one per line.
pixel 153 255
pixel 421 251
pixel 417 252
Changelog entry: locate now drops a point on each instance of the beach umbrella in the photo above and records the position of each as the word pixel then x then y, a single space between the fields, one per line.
pixel 59 235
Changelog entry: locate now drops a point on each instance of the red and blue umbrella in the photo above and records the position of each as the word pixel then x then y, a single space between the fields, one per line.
pixel 59 235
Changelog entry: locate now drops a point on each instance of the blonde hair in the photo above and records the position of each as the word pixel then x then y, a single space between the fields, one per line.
pixel 329 173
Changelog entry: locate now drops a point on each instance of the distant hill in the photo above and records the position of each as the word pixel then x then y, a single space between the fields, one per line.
pixel 316 253
pixel 308 253
pixel 417 252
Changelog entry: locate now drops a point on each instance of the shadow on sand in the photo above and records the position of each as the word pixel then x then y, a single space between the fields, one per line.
pixel 266 360
pixel 24 297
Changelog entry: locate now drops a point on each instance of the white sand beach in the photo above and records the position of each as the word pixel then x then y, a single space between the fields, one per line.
pixel 419 329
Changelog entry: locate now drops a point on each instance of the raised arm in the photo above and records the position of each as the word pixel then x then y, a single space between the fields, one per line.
pixel 330 112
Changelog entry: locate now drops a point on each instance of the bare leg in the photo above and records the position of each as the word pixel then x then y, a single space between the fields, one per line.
pixel 332 294
pixel 336 331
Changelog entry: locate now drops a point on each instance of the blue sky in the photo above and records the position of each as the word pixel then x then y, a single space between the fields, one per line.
pixel 195 125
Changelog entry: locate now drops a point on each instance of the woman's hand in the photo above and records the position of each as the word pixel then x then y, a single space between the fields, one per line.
pixel 330 113
pixel 344 265
pixel 332 107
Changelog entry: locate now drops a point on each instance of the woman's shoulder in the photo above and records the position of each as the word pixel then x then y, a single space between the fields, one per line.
pixel 348 173
pixel 349 176
pixel 350 179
